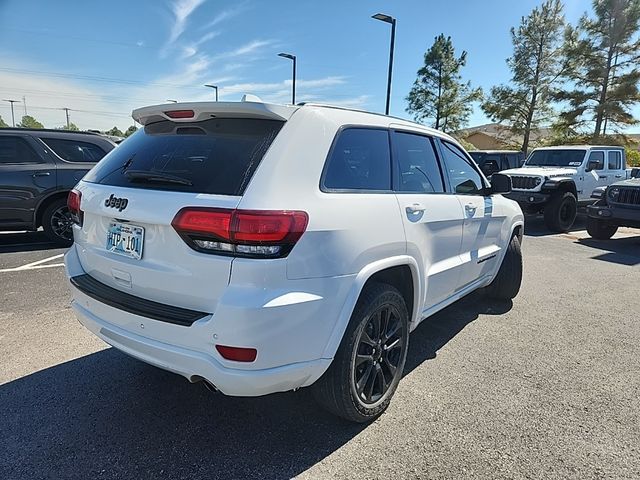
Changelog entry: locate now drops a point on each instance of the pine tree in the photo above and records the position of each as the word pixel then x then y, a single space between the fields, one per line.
pixel 536 65
pixel 605 73
pixel 439 94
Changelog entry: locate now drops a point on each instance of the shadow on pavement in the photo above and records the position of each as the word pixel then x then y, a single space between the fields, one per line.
pixel 623 251
pixel 106 415
pixel 534 225
pixel 436 331
pixel 25 242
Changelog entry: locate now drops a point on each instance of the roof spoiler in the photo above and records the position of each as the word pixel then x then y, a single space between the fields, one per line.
pixel 198 111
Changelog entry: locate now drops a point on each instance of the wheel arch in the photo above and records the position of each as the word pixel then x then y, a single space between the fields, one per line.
pixel 395 271
pixel 45 202
pixel 568 186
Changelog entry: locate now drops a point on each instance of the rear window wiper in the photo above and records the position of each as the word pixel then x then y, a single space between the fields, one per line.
pixel 155 177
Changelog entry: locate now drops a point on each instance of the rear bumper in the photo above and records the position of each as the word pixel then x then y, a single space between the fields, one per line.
pixel 625 217
pixel 195 365
pixel 289 328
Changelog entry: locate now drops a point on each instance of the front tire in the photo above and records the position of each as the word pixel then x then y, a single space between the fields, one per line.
pixel 600 230
pixel 57 223
pixel 560 212
pixel 368 365
pixel 507 283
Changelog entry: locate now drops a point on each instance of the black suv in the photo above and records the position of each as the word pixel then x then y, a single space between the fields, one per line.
pixel 38 168
pixel 618 205
pixel 492 161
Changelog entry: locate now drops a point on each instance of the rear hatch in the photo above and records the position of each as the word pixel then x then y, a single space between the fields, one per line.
pixel 129 200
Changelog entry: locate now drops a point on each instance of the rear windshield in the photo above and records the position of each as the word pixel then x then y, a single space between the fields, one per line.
pixel 217 156
pixel 556 158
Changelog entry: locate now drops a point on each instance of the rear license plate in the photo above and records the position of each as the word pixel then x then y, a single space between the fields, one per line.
pixel 125 239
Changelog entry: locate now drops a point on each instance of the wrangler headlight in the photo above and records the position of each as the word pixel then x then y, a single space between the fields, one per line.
pixel 614 193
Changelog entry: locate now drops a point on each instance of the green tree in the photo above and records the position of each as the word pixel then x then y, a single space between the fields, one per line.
pixel 536 65
pixel 605 51
pixel 439 94
pixel 115 131
pixel 2 123
pixel 29 122
pixel 131 130
pixel 71 128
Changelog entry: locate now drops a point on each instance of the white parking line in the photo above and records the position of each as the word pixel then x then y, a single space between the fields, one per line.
pixel 36 265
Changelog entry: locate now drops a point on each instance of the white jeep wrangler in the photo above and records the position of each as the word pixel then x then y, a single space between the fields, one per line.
pixel 555 180
pixel 262 248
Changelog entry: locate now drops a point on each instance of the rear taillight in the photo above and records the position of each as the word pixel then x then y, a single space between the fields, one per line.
pixel 243 233
pixel 73 203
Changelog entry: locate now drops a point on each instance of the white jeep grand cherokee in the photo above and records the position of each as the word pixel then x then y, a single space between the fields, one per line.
pixel 263 248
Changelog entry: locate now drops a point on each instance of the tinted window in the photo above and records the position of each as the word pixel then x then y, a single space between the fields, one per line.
pixel 463 178
pixel 417 162
pixel 217 156
pixel 556 158
pixel 75 151
pixel 615 160
pixel 359 160
pixel 598 157
pixel 16 150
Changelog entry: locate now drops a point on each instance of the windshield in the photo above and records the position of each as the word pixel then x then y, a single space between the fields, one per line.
pixel 217 156
pixel 555 158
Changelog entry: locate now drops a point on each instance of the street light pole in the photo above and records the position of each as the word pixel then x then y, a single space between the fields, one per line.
pixel 215 88
pixel 13 118
pixel 388 19
pixel 293 85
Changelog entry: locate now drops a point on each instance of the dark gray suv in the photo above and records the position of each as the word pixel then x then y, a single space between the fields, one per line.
pixel 38 168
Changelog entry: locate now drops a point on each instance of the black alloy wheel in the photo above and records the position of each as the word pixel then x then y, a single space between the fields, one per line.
pixel 378 355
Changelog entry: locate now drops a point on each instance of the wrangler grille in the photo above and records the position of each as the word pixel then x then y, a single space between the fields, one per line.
pixel 525 183
pixel 629 196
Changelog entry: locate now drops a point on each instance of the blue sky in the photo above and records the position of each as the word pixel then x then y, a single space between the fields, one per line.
pixel 102 59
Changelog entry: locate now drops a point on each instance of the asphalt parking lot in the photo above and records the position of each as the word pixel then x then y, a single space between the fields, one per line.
pixel 545 387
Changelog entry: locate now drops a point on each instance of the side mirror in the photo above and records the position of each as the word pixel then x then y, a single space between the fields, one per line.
pixel 635 173
pixel 500 183
pixel 592 165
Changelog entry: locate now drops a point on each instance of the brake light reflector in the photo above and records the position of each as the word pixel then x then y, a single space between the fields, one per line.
pixel 237 354
pixel 180 114
pixel 248 233
pixel 73 203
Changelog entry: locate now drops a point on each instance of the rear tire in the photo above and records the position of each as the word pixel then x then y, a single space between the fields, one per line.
pixel 600 230
pixel 368 365
pixel 57 223
pixel 507 283
pixel 560 212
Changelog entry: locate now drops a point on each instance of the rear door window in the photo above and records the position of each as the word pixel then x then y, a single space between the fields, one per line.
pixel 417 163
pixel 359 160
pixel 217 156
pixel 16 151
pixel 615 160
pixel 75 150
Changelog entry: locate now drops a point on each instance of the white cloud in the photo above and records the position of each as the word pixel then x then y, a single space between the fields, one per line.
pixel 225 15
pixel 181 10
pixel 248 48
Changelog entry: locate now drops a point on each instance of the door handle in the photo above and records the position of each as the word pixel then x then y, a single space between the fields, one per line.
pixel 618 176
pixel 415 208
pixel 41 174
pixel 602 177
